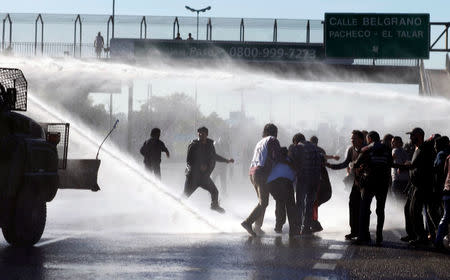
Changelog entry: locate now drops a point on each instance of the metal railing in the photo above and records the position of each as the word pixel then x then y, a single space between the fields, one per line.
pixel 53 49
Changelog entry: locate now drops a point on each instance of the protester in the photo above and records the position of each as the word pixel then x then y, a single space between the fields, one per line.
pixel 443 225
pixel 421 176
pixel 357 140
pixel 400 177
pixel 266 154
pixel 308 162
pixel 280 185
pixel 376 162
pixel 324 190
pixel 201 160
pixel 151 150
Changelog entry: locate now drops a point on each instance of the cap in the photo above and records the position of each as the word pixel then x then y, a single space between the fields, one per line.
pixel 416 131
pixel 202 129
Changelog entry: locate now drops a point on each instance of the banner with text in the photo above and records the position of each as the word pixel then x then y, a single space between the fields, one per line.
pixel 384 36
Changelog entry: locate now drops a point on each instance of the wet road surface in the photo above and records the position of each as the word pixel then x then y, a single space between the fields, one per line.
pixel 132 255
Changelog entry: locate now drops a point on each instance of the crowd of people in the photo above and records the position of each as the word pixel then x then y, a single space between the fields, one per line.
pixel 417 174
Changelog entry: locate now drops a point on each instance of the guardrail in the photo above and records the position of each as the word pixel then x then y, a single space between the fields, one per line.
pixel 52 50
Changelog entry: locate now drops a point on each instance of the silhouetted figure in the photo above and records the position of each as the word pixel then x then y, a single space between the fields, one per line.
pixel 375 162
pixel 308 162
pixel 266 154
pixel 324 190
pixel 189 38
pixel 280 185
pixel 201 160
pixel 443 225
pixel 400 177
pixel 98 44
pixel 151 150
pixel 354 203
pixel 421 176
pixel 178 37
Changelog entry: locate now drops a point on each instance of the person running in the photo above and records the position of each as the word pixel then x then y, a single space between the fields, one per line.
pixel 375 162
pixel 308 162
pixel 266 154
pixel 151 150
pixel 354 203
pixel 201 160
pixel 99 44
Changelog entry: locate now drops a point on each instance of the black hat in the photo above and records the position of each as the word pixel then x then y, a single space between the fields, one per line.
pixel 203 129
pixel 417 131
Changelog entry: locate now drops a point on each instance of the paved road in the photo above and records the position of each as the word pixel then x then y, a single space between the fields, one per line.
pixel 97 254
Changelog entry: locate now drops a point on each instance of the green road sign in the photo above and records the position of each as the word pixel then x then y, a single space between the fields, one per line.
pixel 392 36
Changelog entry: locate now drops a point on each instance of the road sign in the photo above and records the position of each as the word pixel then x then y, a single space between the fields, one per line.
pixel 393 36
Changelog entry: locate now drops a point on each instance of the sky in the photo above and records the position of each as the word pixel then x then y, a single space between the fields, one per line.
pixel 292 9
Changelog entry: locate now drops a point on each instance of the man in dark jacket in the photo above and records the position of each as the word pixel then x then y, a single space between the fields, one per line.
pixel 375 162
pixel 151 150
pixel 201 160
pixel 308 162
pixel 421 176
pixel 354 203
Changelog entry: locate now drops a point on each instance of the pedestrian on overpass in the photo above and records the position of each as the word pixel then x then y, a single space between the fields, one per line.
pixel 151 150
pixel 98 44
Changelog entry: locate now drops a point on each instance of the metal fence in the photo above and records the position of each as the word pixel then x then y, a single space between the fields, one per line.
pixel 52 49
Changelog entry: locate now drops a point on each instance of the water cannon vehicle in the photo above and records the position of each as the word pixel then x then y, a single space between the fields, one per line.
pixel 33 164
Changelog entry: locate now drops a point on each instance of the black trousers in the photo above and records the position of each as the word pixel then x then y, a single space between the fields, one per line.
pixel 194 181
pixel 282 191
pixel 354 206
pixel 154 168
pixel 379 190
pixel 409 226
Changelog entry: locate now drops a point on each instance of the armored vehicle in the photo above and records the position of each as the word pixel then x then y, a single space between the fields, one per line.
pixel 33 164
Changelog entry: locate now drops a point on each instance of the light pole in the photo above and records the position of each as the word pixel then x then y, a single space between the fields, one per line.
pixel 198 11
pixel 113 19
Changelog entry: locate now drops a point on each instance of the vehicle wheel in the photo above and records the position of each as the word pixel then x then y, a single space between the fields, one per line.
pixel 29 220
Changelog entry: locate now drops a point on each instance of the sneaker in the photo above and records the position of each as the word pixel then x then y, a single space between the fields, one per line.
pixel 379 241
pixel 316 226
pixel 420 242
pixel 259 231
pixel 407 238
pixel 248 228
pixel 350 236
pixel 278 229
pixel 361 241
pixel 217 208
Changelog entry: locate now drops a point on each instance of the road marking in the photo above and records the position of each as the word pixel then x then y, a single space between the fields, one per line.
pixel 397 233
pixel 40 244
pixel 337 247
pixel 315 278
pixel 325 266
pixel 331 256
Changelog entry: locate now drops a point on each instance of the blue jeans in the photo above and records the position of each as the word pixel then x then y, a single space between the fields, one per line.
pixel 443 225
